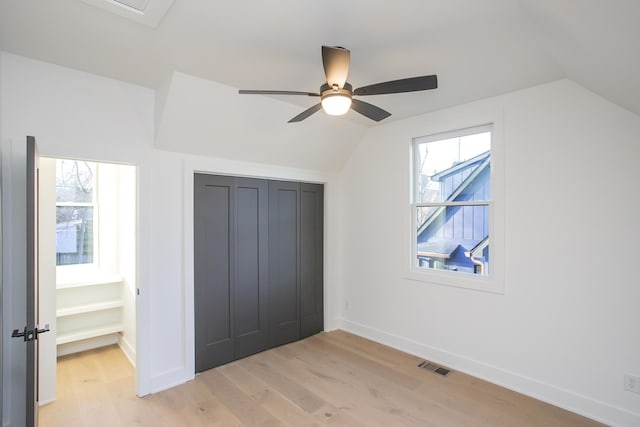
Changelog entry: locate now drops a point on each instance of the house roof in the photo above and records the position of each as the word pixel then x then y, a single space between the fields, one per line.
pixel 477 249
pixel 441 249
pixel 486 161
pixel 459 166
pixel 201 50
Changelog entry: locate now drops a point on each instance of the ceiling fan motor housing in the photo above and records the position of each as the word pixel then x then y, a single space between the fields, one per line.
pixel 326 90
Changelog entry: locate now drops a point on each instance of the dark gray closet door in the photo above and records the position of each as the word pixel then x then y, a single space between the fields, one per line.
pixel 258 265
pixel 251 265
pixel 311 256
pixel 213 273
pixel 284 230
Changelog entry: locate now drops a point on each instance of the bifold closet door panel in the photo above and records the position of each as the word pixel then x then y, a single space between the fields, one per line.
pixel 284 230
pixel 213 275
pixel 311 259
pixel 251 265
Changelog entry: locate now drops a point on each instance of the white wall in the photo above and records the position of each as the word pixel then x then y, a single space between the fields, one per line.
pixel 566 329
pixel 209 118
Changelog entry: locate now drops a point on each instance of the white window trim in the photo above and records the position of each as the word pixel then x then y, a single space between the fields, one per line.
pixel 495 282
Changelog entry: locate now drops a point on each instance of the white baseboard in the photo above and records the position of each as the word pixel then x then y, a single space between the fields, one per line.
pixel 45 402
pixel 566 399
pixel 128 350
pixel 87 344
pixel 170 379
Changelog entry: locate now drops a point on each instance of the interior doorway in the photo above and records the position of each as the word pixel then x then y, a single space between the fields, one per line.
pixel 88 247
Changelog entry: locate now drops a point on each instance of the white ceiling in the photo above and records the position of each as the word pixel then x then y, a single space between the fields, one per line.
pixel 477 48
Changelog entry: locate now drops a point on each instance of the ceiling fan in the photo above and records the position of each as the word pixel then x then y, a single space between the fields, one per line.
pixel 336 95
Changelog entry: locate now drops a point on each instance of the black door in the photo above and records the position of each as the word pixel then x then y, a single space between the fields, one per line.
pixel 284 232
pixel 251 265
pixel 311 259
pixel 231 268
pixel 214 212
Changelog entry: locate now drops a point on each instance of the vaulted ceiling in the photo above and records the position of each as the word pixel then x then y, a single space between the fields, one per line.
pixel 478 49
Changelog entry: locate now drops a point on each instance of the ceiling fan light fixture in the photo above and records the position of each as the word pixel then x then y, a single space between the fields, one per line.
pixel 336 104
pixel 336 100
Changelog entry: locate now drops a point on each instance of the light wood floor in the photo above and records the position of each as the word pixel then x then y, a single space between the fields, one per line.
pixel 335 379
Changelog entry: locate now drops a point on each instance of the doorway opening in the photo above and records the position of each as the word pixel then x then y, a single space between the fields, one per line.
pixel 88 265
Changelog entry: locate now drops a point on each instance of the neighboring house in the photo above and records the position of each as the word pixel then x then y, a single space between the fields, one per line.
pixel 74 242
pixel 457 238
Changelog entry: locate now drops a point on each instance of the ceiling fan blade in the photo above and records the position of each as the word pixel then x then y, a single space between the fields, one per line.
pixel 369 110
pixel 275 92
pixel 412 84
pixel 306 113
pixel 335 60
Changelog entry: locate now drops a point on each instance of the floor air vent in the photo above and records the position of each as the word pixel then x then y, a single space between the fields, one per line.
pixel 434 368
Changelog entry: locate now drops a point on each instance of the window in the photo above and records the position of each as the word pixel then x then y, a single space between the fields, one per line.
pixel 452 205
pixel 75 212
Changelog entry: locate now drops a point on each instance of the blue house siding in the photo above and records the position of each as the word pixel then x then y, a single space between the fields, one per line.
pixel 449 184
pixel 463 222
pixel 448 233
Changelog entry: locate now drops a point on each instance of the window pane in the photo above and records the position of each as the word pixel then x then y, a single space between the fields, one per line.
pixel 453 238
pixel 74 235
pixel 454 169
pixel 74 181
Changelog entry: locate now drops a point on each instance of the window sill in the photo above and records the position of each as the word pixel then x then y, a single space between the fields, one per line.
pixel 458 280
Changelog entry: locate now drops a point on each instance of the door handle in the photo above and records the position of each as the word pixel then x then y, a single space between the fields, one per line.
pixel 41 331
pixel 28 334
pixel 25 333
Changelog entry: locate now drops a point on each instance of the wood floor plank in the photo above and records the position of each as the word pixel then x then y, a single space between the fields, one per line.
pixel 328 414
pixel 241 405
pixel 261 367
pixel 373 367
pixel 194 402
pixel 330 379
pixel 267 397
